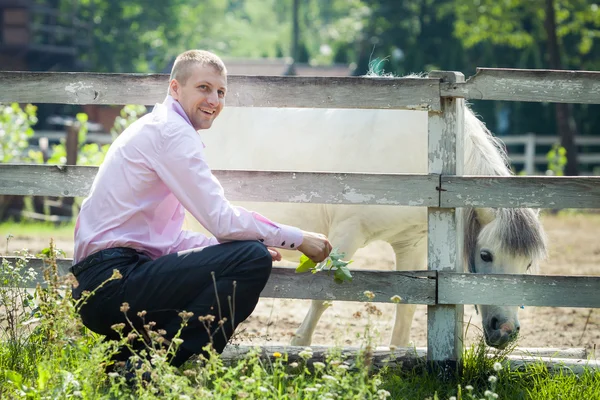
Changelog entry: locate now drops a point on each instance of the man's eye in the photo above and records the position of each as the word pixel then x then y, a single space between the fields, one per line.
pixel 203 87
pixel 221 93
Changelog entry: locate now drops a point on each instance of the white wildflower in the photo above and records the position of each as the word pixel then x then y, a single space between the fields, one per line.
pixel 294 364
pixel 329 378
pixel 488 393
pixel 311 389
pixel 306 353
pixel 263 389
pixel 396 299
pixel 452 398
pixel 369 295
pixel 497 366
pixel 492 379
pixel 469 388
pixel 318 365
pixel 250 381
pixel 383 394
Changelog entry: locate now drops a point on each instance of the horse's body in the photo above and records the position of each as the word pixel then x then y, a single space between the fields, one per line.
pixel 375 141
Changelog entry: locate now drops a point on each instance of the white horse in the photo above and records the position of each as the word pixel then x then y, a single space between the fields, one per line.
pixel 377 141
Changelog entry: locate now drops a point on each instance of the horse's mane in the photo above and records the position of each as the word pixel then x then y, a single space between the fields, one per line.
pixel 516 230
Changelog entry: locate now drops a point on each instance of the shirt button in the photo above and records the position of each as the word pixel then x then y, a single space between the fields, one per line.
pixel 292 245
pixel 283 243
pixel 261 240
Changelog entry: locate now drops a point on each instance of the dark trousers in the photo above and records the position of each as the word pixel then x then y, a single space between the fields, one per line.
pixel 223 281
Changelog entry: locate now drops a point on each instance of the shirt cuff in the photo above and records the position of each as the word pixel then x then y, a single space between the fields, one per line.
pixel 289 237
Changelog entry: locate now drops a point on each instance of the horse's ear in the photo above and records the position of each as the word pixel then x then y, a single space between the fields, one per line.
pixel 485 215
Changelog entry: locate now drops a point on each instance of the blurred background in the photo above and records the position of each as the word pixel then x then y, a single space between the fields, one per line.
pixel 302 37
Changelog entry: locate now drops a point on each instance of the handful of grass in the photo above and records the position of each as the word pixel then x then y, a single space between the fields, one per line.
pixel 334 263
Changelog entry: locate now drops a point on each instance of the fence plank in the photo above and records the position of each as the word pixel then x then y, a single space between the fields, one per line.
pixel 414 287
pixel 444 322
pixel 516 290
pixel 520 191
pixel 528 85
pixel 243 91
pixel 293 187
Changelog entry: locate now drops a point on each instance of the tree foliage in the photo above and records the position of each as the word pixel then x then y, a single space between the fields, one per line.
pixel 519 24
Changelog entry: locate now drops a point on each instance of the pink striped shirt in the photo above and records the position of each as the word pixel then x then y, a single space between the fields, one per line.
pixel 154 171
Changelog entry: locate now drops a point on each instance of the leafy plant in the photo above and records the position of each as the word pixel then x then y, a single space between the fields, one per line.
pixel 334 263
pixel 557 160
pixel 15 131
pixel 92 153
pixel 129 114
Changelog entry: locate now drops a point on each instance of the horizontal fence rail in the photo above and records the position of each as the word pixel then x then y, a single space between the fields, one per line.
pixel 269 186
pixel 520 191
pixel 414 287
pixel 420 190
pixel 417 287
pixel 528 85
pixel 249 91
pixel 517 290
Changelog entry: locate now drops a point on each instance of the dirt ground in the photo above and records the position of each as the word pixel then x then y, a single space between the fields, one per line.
pixel 574 250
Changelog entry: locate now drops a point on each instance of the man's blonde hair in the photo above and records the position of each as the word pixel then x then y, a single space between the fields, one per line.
pixel 182 67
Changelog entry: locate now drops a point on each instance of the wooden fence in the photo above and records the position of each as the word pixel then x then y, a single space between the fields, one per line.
pixel 441 190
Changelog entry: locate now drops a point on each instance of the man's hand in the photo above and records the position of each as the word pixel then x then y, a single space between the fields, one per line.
pixel 315 246
pixel 275 254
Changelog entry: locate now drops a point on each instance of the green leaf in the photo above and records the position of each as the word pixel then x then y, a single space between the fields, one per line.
pixel 14 377
pixel 306 264
pixel 342 274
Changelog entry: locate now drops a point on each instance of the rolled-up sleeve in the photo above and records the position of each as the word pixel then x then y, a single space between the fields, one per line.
pixel 181 165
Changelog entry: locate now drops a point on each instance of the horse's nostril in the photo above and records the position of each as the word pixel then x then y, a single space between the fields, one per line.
pixel 495 323
pixel 518 328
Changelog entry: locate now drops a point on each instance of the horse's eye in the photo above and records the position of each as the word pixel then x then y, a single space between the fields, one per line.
pixel 486 256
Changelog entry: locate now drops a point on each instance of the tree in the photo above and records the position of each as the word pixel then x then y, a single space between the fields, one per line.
pixel 543 26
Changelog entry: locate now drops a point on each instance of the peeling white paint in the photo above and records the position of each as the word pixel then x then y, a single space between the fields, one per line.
pixel 385 201
pixel 75 87
pixel 416 202
pixel 302 198
pixel 352 196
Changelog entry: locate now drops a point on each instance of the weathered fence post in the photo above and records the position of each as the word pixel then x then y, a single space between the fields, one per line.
pixel 445 244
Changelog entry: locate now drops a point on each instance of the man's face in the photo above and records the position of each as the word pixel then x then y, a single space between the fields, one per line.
pixel 202 97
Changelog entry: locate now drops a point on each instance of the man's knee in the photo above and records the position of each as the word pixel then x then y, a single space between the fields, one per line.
pixel 259 256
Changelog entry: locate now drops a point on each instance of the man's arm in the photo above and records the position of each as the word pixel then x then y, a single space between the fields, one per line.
pixel 182 167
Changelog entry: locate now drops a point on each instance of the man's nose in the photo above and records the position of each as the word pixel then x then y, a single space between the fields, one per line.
pixel 213 98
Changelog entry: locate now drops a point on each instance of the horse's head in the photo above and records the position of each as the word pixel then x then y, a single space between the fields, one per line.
pixel 502 241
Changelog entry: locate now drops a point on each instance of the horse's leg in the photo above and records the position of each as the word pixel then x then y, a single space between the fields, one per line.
pixel 408 257
pixel 346 238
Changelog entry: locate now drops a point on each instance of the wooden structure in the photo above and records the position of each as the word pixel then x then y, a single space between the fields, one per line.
pixel 531 160
pixel 37 35
pixel 442 190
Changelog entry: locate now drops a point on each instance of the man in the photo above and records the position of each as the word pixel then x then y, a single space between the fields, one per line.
pixel 132 222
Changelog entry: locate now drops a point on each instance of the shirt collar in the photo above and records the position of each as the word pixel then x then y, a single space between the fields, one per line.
pixel 171 104
pixel 174 105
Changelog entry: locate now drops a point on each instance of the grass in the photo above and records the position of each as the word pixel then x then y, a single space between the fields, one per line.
pixel 38 229
pixel 492 378
pixel 45 352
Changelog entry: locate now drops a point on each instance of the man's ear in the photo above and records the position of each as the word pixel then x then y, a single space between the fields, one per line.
pixel 174 89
